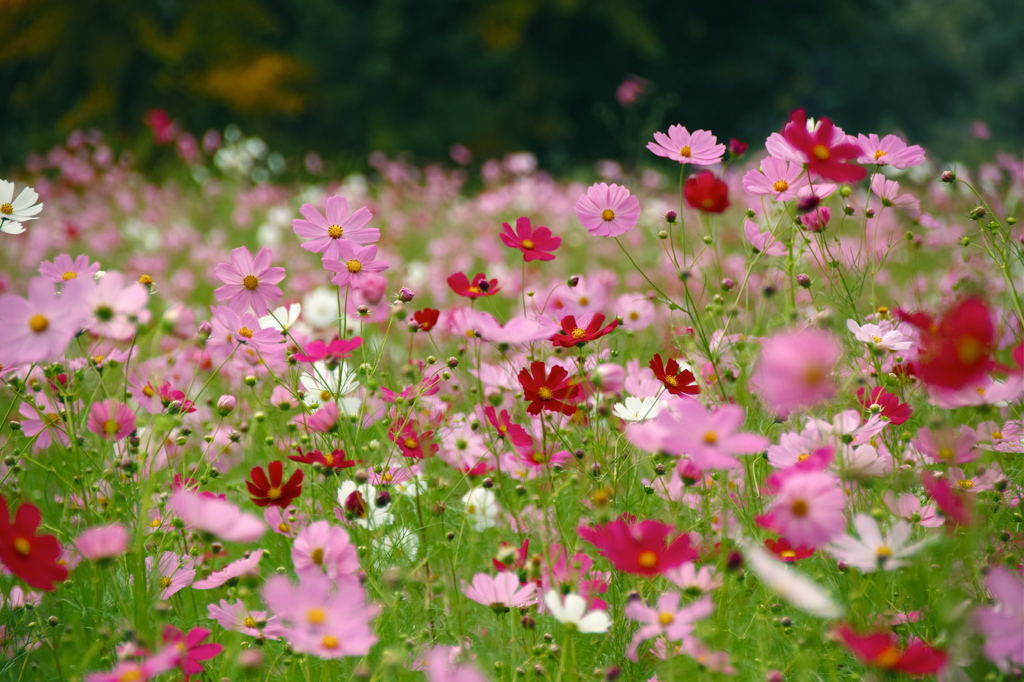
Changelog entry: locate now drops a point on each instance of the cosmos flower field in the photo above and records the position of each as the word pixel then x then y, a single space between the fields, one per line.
pixel 750 412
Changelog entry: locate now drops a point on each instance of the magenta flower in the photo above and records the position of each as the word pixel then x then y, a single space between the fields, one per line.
pixel 63 269
pixel 776 178
pixel 323 548
pixel 608 211
pixel 103 542
pixel 326 235
pixel 1001 623
pixel 355 265
pixel 794 370
pixel 235 569
pixel 683 146
pixel 110 420
pixel 889 151
pixel 190 651
pixel 536 243
pixel 249 282
pixel 173 573
pixel 643 548
pixel 501 592
pixel 808 509
pixel 667 618
pixel 216 516
pixel 40 327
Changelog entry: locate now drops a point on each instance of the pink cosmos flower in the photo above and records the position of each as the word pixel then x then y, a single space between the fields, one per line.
pixel 889 192
pixel 808 509
pixel 947 446
pixel 816 220
pixel 643 548
pixel 776 178
pixel 517 331
pixel 43 421
pixel 667 618
pixel 536 243
pixel 139 671
pixel 442 666
pixel 40 327
pixel 63 269
pixel 908 507
pixel 608 211
pixel 324 548
pixel 1001 623
pixel 823 152
pixel 501 592
pixel 215 516
pixel 103 542
pixel 172 574
pixel 236 617
pixel 231 328
pixel 110 420
pixel 762 241
pixel 326 235
pixel 337 350
pixel 190 651
pixel 235 569
pixel 794 369
pixel 889 151
pixel 249 282
pixel 683 146
pixel 355 265
pixel 115 306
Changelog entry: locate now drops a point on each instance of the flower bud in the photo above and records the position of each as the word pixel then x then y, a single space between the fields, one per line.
pixel 671 217
pixel 204 330
pixel 803 280
pixel 727 284
pixel 948 176
pixel 226 405
pixel 573 281
pixel 405 295
pixel 737 148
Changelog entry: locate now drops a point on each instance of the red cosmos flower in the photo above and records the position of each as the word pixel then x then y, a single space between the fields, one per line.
pixel 955 350
pixel 335 351
pixel 676 382
pixel 881 650
pixel 506 429
pixel 644 548
pixel 535 243
pixel 953 504
pixel 892 409
pixel 411 444
pixel 31 557
pixel 573 334
pixel 823 157
pixel 335 460
pixel 786 551
pixel 478 288
pixel 706 193
pixel 425 319
pixel 271 491
pixel 548 391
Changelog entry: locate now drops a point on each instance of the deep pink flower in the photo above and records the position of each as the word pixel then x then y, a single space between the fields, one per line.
pixel 355 265
pixel 881 650
pixel 40 327
pixel 808 509
pixel 823 155
pixel 111 420
pixel 764 242
pixel 335 351
pixel 954 504
pixel 794 370
pixel 683 146
pixel 536 243
pixel 889 405
pixel 103 542
pixel 643 548
pixel 608 211
pixel 190 651
pixel 478 288
pixel 249 282
pixel 325 235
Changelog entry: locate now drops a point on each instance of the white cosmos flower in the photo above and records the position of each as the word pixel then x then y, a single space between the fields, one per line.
pixel 400 543
pixel 12 227
pixel 794 587
pixel 571 610
pixel 321 308
pixel 363 510
pixel 18 210
pixel 481 508
pixel 325 385
pixel 286 317
pixel 872 552
pixel 638 409
pixel 874 335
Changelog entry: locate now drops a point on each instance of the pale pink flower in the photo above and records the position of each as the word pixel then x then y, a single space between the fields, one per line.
pixel 608 211
pixel 794 370
pixel 139 671
pixel 710 440
pixel 808 509
pixel 517 331
pixel 501 592
pixel 326 234
pixel 635 310
pixel 116 306
pixel 249 282
pixel 235 569
pixel 40 327
pixel 888 151
pixel 103 542
pixel 909 507
pixel 231 328
pixel 776 178
pixel 172 574
pixel 946 446
pixel 63 269
pixel 111 420
pixel 666 618
pixel 355 265
pixel 683 146
pixel 215 516
pixel 889 192
pixel 693 581
pixel 324 548
pixel 1000 623
pixel 236 617
pixel 871 551
pixel 876 337
pixel 44 421
pixel 764 242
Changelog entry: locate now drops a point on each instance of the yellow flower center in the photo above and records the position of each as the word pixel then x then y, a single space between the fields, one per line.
pixel 316 616
pixel 353 266
pixel 527 244
pixel 545 393
pixel 284 527
pixel 411 443
pixel 474 290
pixel 335 231
pixel 787 554
pixel 880 153
pixel 780 185
pixel 155 523
pixel 329 642
pixel 539 457
pixel 246 332
pixel 578 333
pixel 945 453
pixel 130 676
pixel 821 152
pixel 665 618
pixel 876 339
pixel 148 391
pixel 249 622
pixel 329 458
pixel 799 509
pixel 671 381
pixel 6 208
pixel 802 457
pixel 250 282
pixel 969 350
pixel 165 581
pixel 38 323
pixel 814 375
pixel 686 151
pixel 647 559
pixel 887 658
pixel 883 553
pixel 70 274
pixel 710 437
pixel 145 279
pixel 317 556
pixel 607 214
pixel 274 493
pixel 325 396
pixel 965 483
pixel 22 546
pixel 997 435
pixel 110 427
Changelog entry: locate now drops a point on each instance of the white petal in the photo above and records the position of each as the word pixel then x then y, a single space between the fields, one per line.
pixel 594 622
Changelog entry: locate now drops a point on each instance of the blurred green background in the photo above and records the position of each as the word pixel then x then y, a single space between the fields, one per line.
pixel 345 77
